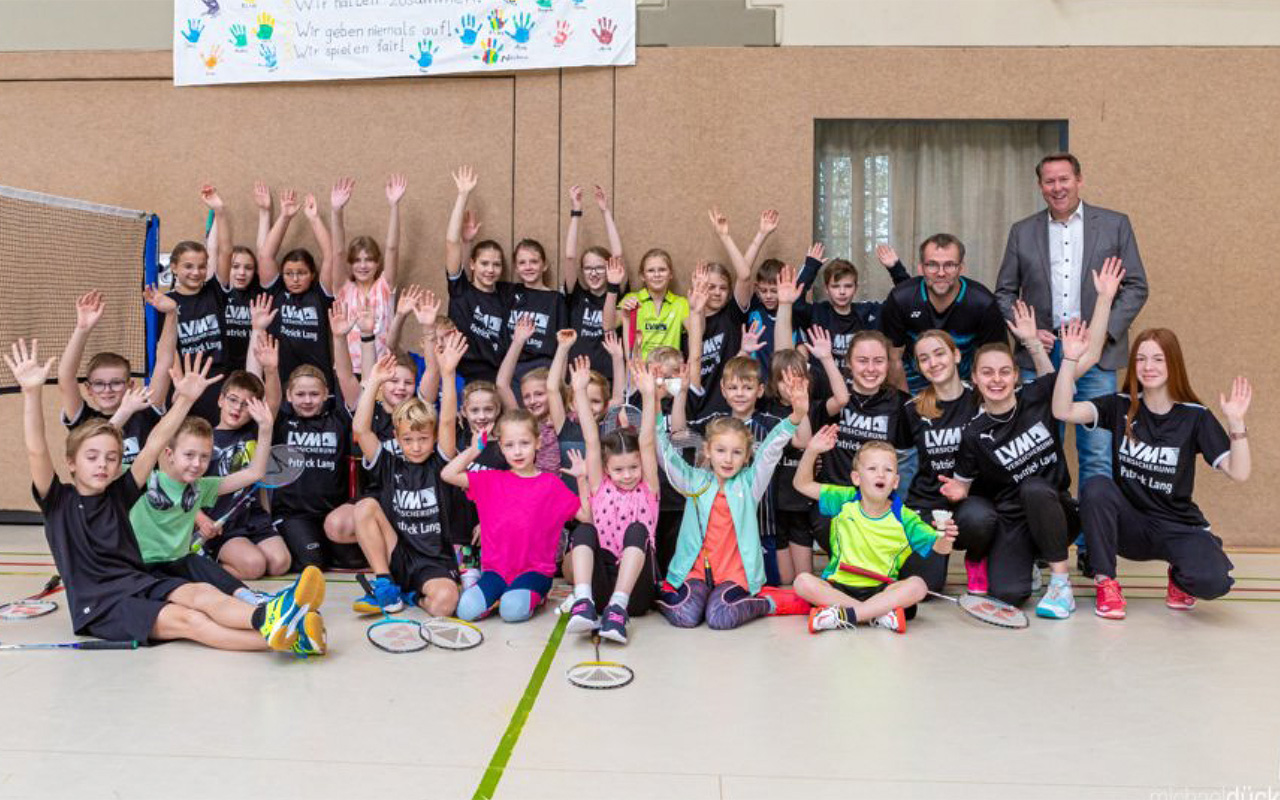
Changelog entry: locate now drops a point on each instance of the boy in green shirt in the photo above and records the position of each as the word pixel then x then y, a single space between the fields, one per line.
pixel 870 529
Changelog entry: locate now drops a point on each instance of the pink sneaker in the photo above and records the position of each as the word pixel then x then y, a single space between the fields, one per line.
pixel 785 601
pixel 976 576
pixel 1175 598
pixel 1109 602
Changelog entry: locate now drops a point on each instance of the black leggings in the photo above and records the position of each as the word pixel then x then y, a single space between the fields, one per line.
pixel 1112 525
pixel 665 538
pixel 604 574
pixel 976 519
pixel 1042 524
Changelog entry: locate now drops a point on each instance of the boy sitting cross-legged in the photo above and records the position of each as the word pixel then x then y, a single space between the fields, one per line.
pixel 870 529
pixel 109 591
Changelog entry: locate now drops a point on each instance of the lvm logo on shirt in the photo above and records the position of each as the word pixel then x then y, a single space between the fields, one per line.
pixel 1033 440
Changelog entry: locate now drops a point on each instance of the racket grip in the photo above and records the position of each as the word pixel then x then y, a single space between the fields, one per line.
pixel 99 645
pixel 866 573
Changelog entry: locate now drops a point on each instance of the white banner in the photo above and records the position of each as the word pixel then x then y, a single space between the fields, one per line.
pixel 249 41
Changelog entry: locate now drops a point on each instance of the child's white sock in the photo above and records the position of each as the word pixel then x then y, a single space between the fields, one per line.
pixel 247 595
pixel 620 599
pixel 581 591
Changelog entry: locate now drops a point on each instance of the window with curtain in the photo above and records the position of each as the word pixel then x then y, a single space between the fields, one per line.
pixel 897 182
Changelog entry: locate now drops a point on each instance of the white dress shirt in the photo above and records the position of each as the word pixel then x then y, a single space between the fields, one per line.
pixel 1066 260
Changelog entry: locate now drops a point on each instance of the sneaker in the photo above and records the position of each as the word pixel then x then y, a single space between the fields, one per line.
pixel 285 610
pixel 1175 598
pixel 1058 602
pixel 976 576
pixel 828 618
pixel 1110 600
pixel 895 620
pixel 583 617
pixel 614 624
pixel 785 602
pixel 312 640
pixel 384 599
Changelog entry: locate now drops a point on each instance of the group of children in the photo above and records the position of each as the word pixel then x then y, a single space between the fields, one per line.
pixel 684 453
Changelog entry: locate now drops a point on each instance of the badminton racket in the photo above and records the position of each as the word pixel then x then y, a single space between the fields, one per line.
pixel 284 466
pixel 33 606
pixel 984 609
pixel 451 633
pixel 392 635
pixel 91 644
pixel 599 674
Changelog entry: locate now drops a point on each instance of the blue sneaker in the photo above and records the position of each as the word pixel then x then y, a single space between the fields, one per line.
pixel 286 608
pixel 312 639
pixel 583 617
pixel 384 599
pixel 1058 601
pixel 614 625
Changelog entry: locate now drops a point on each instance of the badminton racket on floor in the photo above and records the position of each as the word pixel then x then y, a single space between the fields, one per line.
pixel 91 644
pixel 599 674
pixel 451 633
pixel 984 609
pixel 390 634
pixel 284 466
pixel 33 606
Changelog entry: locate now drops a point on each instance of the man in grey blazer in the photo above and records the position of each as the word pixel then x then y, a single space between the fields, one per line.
pixel 1048 262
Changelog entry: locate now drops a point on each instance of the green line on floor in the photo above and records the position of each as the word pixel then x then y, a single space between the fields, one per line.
pixel 498 764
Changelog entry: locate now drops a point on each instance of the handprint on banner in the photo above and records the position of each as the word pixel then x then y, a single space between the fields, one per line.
pixel 239 36
pixel 469 31
pixel 579 3
pixel 523 28
pixel 604 31
pixel 269 59
pixel 563 31
pixel 426 54
pixel 497 20
pixel 544 5
pixel 266 27
pixel 211 58
pixel 194 28
pixel 211 8
pixel 490 52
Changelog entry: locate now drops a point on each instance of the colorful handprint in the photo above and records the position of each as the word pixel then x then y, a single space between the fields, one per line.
pixel 544 4
pixel 523 24
pixel 426 54
pixel 239 36
pixel 563 31
pixel 211 58
pixel 469 31
pixel 266 27
pixel 497 20
pixel 195 27
pixel 604 31
pixel 490 52
pixel 269 58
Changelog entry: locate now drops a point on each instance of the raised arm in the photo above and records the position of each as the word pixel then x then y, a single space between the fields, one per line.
pixel 507 369
pixel 455 472
pixel 426 308
pixel 362 420
pixel 580 379
pixel 240 479
pixel 1023 326
pixel 222 234
pixel 312 210
pixel 570 264
pixel 396 186
pixel 31 375
pixel 452 347
pixel 822 442
pixel 1106 282
pixel 341 321
pixel 789 291
pixel 190 379
pixel 339 196
pixel 89 308
pixel 268 250
pixel 266 353
pixel 768 224
pixel 647 383
pixel 820 348
pixel 262 200
pixel 610 226
pixel 618 381
pixel 167 346
pixel 615 273
pixel 555 376
pixel 1074 338
pixel 465 179
pixel 1238 463
pixel 695 326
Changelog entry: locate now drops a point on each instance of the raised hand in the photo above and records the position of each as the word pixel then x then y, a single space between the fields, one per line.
pixel 612 344
pixel 366 319
pixel 789 288
pixel 341 192
pixel 525 328
pixel 262 195
pixel 1235 406
pixel 465 179
pixel 580 373
pixel 397 184
pixel 311 208
pixel 426 308
pixel 210 197
pixel 1107 280
pixel 575 197
pixel 886 255
pixel 383 369
pixel 450 350
pixel 819 341
pixel 816 251
pixel 89 308
pixel 407 301
pixel 267 350
pixel 135 399
pixel 25 365
pixel 602 199
pixel 577 465
pixel 566 338
pixel 795 388
pixel 1075 340
pixel 643 379
pixel 751 341
pixel 191 376
pixel 698 293
pixel 719 222
pixel 470 226
pixel 289 203
pixel 261 312
pixel 1023 324
pixel 341 320
pixel 824 441
pixel 260 413
pixel 159 300
pixel 768 221
pixel 615 271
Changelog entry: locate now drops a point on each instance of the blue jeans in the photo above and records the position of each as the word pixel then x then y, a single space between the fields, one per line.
pixel 908 466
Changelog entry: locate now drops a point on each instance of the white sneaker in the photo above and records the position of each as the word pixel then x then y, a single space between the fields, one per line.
pixel 1058 602
pixel 828 618
pixel 895 620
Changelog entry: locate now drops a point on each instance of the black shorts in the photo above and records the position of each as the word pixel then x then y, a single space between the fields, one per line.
pixel 816 534
pixel 198 569
pixel 132 618
pixel 791 526
pixel 411 569
pixel 257 527
pixel 864 593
